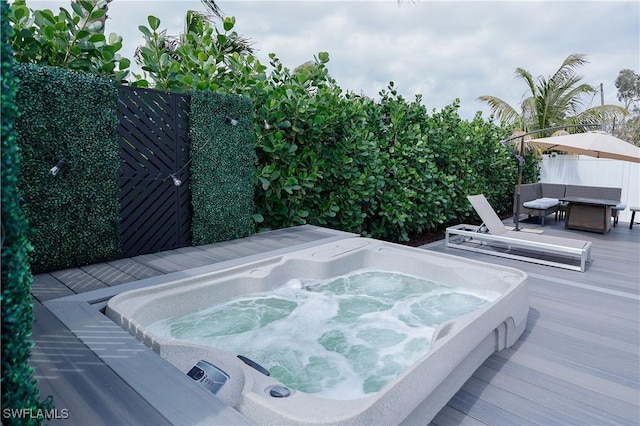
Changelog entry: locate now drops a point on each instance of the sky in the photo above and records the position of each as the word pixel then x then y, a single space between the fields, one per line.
pixel 442 50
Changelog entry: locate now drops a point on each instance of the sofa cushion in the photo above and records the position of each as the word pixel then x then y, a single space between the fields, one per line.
pixel 541 203
pixel 620 207
pixel 552 190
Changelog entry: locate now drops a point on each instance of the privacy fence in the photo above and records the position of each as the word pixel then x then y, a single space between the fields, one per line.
pixel 110 171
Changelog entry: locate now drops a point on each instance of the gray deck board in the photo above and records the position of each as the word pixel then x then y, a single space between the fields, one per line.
pixel 576 411
pixel 558 387
pixel 481 410
pixel 80 382
pixel 46 287
pixel 108 274
pixel 511 402
pixel 135 269
pixel 159 263
pixel 78 280
pixel 578 361
pixel 450 416
pixel 186 258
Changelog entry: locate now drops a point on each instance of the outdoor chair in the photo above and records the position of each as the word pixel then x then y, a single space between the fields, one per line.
pixel 495 239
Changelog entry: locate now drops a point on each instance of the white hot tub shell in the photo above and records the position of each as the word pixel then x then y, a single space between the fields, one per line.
pixel 458 346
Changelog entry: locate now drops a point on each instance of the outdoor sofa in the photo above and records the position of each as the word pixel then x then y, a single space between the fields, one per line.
pixel 542 199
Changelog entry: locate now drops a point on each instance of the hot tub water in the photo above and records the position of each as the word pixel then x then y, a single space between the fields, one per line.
pixel 340 338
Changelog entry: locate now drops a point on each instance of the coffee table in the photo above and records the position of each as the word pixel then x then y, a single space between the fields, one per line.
pixel 588 214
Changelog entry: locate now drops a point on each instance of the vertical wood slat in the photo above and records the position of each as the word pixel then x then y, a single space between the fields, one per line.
pixel 155 214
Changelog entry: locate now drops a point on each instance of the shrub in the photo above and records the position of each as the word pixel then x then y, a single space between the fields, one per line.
pixel 19 389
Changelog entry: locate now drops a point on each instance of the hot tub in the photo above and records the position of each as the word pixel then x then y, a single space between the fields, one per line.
pixel 457 346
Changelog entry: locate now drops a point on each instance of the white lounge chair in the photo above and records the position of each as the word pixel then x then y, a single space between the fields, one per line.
pixel 493 238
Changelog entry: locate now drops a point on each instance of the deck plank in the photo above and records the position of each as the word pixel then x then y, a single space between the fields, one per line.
pixel 485 412
pixel 513 403
pixel 564 409
pixel 78 280
pixel 108 274
pixel 46 287
pixel 136 269
pixel 449 416
pixel 80 382
pixel 563 388
pixel 159 263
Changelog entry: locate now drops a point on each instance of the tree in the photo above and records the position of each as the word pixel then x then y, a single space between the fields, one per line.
pixel 628 85
pixel 554 101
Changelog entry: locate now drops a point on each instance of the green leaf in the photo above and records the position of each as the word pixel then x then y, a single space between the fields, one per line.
pixel 154 22
pixel 86 4
pixel 324 57
pixel 124 63
pixel 82 34
pixel 108 67
pixel 144 30
pixel 78 9
pixel 95 38
pixel 20 12
pixel 265 183
pixel 48 32
pixel 107 55
pixel 96 14
pixel 229 22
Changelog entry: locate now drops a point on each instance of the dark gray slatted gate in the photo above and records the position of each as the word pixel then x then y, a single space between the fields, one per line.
pixel 155 214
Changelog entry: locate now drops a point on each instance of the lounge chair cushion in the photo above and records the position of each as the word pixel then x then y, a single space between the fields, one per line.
pixel 541 203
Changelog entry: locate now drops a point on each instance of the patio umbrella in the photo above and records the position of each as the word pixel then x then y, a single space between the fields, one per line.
pixel 595 144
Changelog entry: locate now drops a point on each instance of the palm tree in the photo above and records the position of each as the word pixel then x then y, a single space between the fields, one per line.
pixel 554 101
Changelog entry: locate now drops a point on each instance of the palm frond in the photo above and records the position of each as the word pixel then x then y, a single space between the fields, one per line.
pixel 213 9
pixel 569 67
pixel 501 109
pixel 528 79
pixel 601 114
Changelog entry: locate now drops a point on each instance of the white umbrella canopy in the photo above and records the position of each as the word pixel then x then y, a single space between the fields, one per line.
pixel 595 144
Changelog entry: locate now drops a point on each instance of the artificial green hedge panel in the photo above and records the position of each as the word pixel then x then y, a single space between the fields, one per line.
pixel 19 389
pixel 71 116
pixel 222 169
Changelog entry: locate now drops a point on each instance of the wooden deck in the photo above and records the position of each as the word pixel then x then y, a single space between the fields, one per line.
pixel 578 362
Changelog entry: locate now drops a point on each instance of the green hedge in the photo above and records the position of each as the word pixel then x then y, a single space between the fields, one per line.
pixel 387 169
pixel 222 169
pixel 72 116
pixel 19 389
